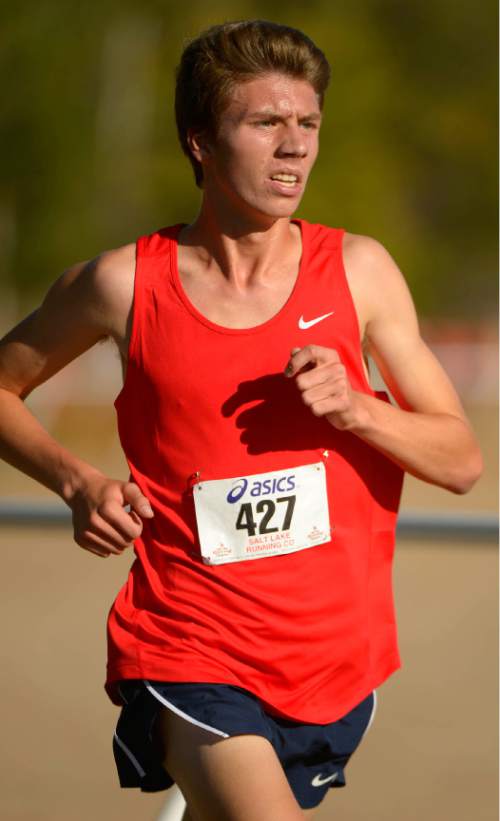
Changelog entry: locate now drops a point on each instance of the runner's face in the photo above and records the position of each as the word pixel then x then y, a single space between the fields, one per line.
pixel 269 129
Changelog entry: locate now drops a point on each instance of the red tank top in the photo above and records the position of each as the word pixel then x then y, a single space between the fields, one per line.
pixel 310 633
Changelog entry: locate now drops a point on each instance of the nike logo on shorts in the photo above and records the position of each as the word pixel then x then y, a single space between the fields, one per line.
pixel 318 781
pixel 303 325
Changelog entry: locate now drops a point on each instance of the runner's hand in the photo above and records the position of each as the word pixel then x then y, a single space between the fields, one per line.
pixel 322 380
pixel 100 522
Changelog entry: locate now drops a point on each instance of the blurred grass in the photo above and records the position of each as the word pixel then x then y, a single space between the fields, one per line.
pixel 408 146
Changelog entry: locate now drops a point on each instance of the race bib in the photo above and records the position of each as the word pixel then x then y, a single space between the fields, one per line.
pixel 266 514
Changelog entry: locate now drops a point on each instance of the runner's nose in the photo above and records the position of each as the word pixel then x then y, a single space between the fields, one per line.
pixel 293 143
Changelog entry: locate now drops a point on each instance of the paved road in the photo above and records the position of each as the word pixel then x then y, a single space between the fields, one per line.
pixel 429 756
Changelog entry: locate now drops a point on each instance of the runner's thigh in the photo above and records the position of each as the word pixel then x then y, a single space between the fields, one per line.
pixel 231 779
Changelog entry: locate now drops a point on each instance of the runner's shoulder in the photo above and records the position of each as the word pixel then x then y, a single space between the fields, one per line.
pixel 109 277
pixel 377 285
pixel 369 264
pixel 364 251
pixel 101 289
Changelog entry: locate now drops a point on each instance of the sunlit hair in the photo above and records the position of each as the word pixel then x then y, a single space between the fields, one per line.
pixel 213 63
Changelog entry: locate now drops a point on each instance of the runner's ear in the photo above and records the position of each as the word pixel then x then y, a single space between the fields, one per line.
pixel 198 145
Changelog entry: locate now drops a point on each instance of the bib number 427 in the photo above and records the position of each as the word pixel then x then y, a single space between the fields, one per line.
pixel 268 518
pixel 263 514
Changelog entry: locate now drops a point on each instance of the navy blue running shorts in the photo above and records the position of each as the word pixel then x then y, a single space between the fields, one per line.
pixel 313 756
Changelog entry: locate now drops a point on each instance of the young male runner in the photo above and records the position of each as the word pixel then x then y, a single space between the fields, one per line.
pixel 265 473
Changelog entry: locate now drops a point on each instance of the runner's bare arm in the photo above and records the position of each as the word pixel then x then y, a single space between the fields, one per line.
pixel 89 302
pixel 428 434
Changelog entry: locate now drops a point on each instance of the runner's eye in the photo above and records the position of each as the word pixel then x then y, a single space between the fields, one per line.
pixel 270 121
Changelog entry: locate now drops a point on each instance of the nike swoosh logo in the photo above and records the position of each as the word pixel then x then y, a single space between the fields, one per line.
pixel 318 781
pixel 303 325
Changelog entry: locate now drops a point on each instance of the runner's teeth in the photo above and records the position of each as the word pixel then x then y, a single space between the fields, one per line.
pixel 285 178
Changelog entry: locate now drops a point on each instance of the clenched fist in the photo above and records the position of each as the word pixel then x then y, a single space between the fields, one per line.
pixel 101 524
pixel 322 380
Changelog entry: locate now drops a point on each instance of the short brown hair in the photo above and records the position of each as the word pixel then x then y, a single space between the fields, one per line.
pixel 230 53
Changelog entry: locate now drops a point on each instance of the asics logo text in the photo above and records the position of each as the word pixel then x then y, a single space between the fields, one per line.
pixel 279 484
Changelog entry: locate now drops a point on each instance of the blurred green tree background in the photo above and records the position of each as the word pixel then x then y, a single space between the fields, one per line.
pixel 90 158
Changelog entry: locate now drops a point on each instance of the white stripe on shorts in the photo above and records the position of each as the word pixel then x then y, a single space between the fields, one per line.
pixel 374 710
pixel 183 714
pixel 130 756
